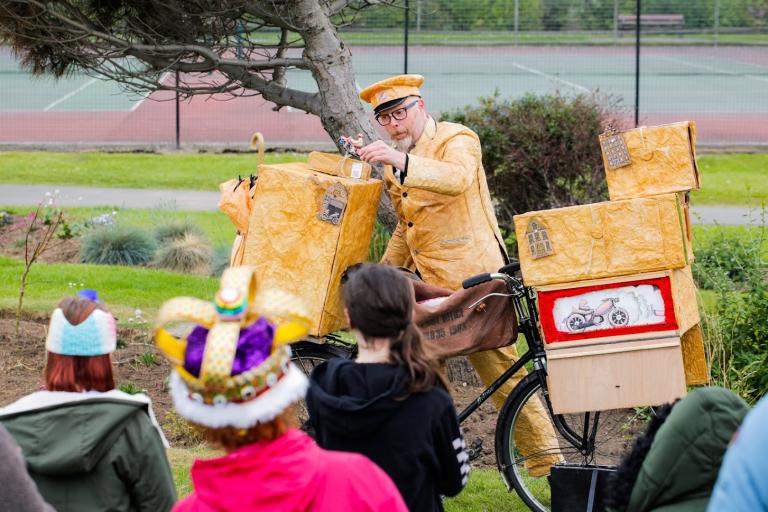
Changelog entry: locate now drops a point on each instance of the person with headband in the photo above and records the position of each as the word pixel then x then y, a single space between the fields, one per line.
pixel 447 229
pixel 391 404
pixel 233 379
pixel 87 445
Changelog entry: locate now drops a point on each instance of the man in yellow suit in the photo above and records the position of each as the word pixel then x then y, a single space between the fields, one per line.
pixel 447 229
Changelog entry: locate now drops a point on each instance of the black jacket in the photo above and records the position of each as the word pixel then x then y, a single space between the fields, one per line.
pixel 415 439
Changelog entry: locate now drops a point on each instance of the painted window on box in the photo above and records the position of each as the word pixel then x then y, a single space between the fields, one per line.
pixel 608 309
pixel 538 239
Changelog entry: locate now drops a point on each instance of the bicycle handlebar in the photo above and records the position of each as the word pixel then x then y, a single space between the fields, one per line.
pixel 476 280
pixel 505 273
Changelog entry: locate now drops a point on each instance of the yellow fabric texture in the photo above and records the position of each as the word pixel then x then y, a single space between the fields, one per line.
pixel 663 160
pixel 613 238
pixel 694 357
pixel 453 234
pixel 293 250
pixel 446 228
pixel 392 88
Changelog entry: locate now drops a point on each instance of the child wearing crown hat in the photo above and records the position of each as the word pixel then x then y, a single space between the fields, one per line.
pixel 87 445
pixel 233 378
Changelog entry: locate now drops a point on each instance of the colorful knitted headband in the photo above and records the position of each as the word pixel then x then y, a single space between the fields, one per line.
pixel 234 368
pixel 93 337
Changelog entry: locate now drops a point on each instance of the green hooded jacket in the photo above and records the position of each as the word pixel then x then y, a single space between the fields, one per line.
pixel 98 454
pixel 681 467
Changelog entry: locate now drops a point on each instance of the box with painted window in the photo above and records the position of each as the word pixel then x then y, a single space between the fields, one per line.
pixel 612 238
pixel 650 160
pixel 307 225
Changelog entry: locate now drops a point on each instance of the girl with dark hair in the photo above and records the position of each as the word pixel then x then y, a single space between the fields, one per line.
pixel 87 445
pixel 391 403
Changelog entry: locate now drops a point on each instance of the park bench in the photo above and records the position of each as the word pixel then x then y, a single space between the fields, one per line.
pixel 662 22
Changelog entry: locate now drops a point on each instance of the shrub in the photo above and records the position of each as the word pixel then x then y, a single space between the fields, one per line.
pixel 117 245
pixel 540 152
pixel 736 337
pixel 220 260
pixel 729 259
pixel 176 229
pixel 379 240
pixel 189 253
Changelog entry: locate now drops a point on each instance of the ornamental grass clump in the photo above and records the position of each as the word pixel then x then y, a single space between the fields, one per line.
pixel 189 253
pixel 174 230
pixel 118 245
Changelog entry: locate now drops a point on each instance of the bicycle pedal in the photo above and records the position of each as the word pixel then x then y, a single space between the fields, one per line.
pixel 475 450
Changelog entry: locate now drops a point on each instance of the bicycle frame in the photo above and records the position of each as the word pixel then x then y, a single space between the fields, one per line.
pixel 524 302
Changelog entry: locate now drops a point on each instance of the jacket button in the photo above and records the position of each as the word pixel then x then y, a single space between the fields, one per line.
pixel 410 224
pixel 405 194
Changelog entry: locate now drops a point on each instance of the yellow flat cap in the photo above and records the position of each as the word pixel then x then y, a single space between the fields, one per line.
pixel 393 88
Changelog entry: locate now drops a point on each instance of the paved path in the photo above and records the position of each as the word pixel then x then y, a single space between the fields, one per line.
pixel 27 195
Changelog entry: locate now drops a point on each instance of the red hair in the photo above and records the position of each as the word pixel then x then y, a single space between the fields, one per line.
pixel 79 373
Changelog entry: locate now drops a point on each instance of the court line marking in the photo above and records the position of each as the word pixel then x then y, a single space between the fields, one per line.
pixel 148 93
pixel 70 94
pixel 551 77
pixel 713 68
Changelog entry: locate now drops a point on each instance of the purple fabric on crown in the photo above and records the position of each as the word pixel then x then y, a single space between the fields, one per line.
pixel 253 347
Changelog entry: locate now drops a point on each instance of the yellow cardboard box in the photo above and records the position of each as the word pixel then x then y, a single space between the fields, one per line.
pixel 661 159
pixel 608 239
pixel 306 227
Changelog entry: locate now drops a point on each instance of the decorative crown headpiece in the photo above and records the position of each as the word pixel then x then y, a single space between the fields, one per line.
pixel 234 368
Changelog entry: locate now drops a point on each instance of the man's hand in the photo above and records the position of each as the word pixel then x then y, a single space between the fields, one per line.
pixel 379 151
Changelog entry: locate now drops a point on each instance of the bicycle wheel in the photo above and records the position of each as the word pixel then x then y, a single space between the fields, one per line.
pixel 307 355
pixel 527 443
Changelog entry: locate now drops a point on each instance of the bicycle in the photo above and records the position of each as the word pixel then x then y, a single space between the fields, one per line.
pixel 586 439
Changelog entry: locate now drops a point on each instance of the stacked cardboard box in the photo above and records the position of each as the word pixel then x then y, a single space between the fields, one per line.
pixel 309 222
pixel 617 302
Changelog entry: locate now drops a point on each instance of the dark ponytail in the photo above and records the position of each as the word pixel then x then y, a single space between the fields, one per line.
pixel 380 303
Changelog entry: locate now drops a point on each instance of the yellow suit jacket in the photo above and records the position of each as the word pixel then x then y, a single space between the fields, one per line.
pixel 447 229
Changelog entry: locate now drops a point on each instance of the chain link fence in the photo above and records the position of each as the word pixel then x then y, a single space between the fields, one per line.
pixel 705 60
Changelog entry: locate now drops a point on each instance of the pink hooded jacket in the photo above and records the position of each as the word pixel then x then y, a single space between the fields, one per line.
pixel 290 474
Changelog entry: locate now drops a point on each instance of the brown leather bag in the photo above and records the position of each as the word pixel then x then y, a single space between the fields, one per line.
pixel 450 328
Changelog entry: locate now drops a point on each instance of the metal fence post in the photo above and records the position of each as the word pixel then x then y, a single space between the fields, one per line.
pixel 178 117
pixel 717 21
pixel 517 21
pixel 405 35
pixel 637 64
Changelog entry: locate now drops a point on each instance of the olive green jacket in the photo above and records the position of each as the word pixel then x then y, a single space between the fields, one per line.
pixel 95 452
pixel 681 467
pixel 447 228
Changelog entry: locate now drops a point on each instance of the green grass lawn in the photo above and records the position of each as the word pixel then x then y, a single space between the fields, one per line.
pixel 190 171
pixel 485 491
pixel 739 179
pixel 124 289
pixel 217 227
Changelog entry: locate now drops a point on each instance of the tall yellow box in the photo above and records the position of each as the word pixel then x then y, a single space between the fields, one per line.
pixel 306 227
pixel 651 160
pixel 608 239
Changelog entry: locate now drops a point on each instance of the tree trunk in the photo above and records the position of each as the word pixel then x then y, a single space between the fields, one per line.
pixel 331 66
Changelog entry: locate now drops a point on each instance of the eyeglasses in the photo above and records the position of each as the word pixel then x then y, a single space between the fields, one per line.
pixel 399 114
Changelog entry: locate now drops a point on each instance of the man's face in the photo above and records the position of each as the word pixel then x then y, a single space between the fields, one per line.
pixel 403 131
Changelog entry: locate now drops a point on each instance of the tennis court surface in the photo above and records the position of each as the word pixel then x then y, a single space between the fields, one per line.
pixel 724 89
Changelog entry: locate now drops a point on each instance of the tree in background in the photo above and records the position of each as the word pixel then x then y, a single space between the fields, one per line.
pixel 541 152
pixel 234 47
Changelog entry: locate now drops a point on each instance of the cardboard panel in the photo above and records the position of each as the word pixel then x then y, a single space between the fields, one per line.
pixel 694 357
pixel 615 375
pixel 608 239
pixel 627 307
pixel 293 249
pixel 662 161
